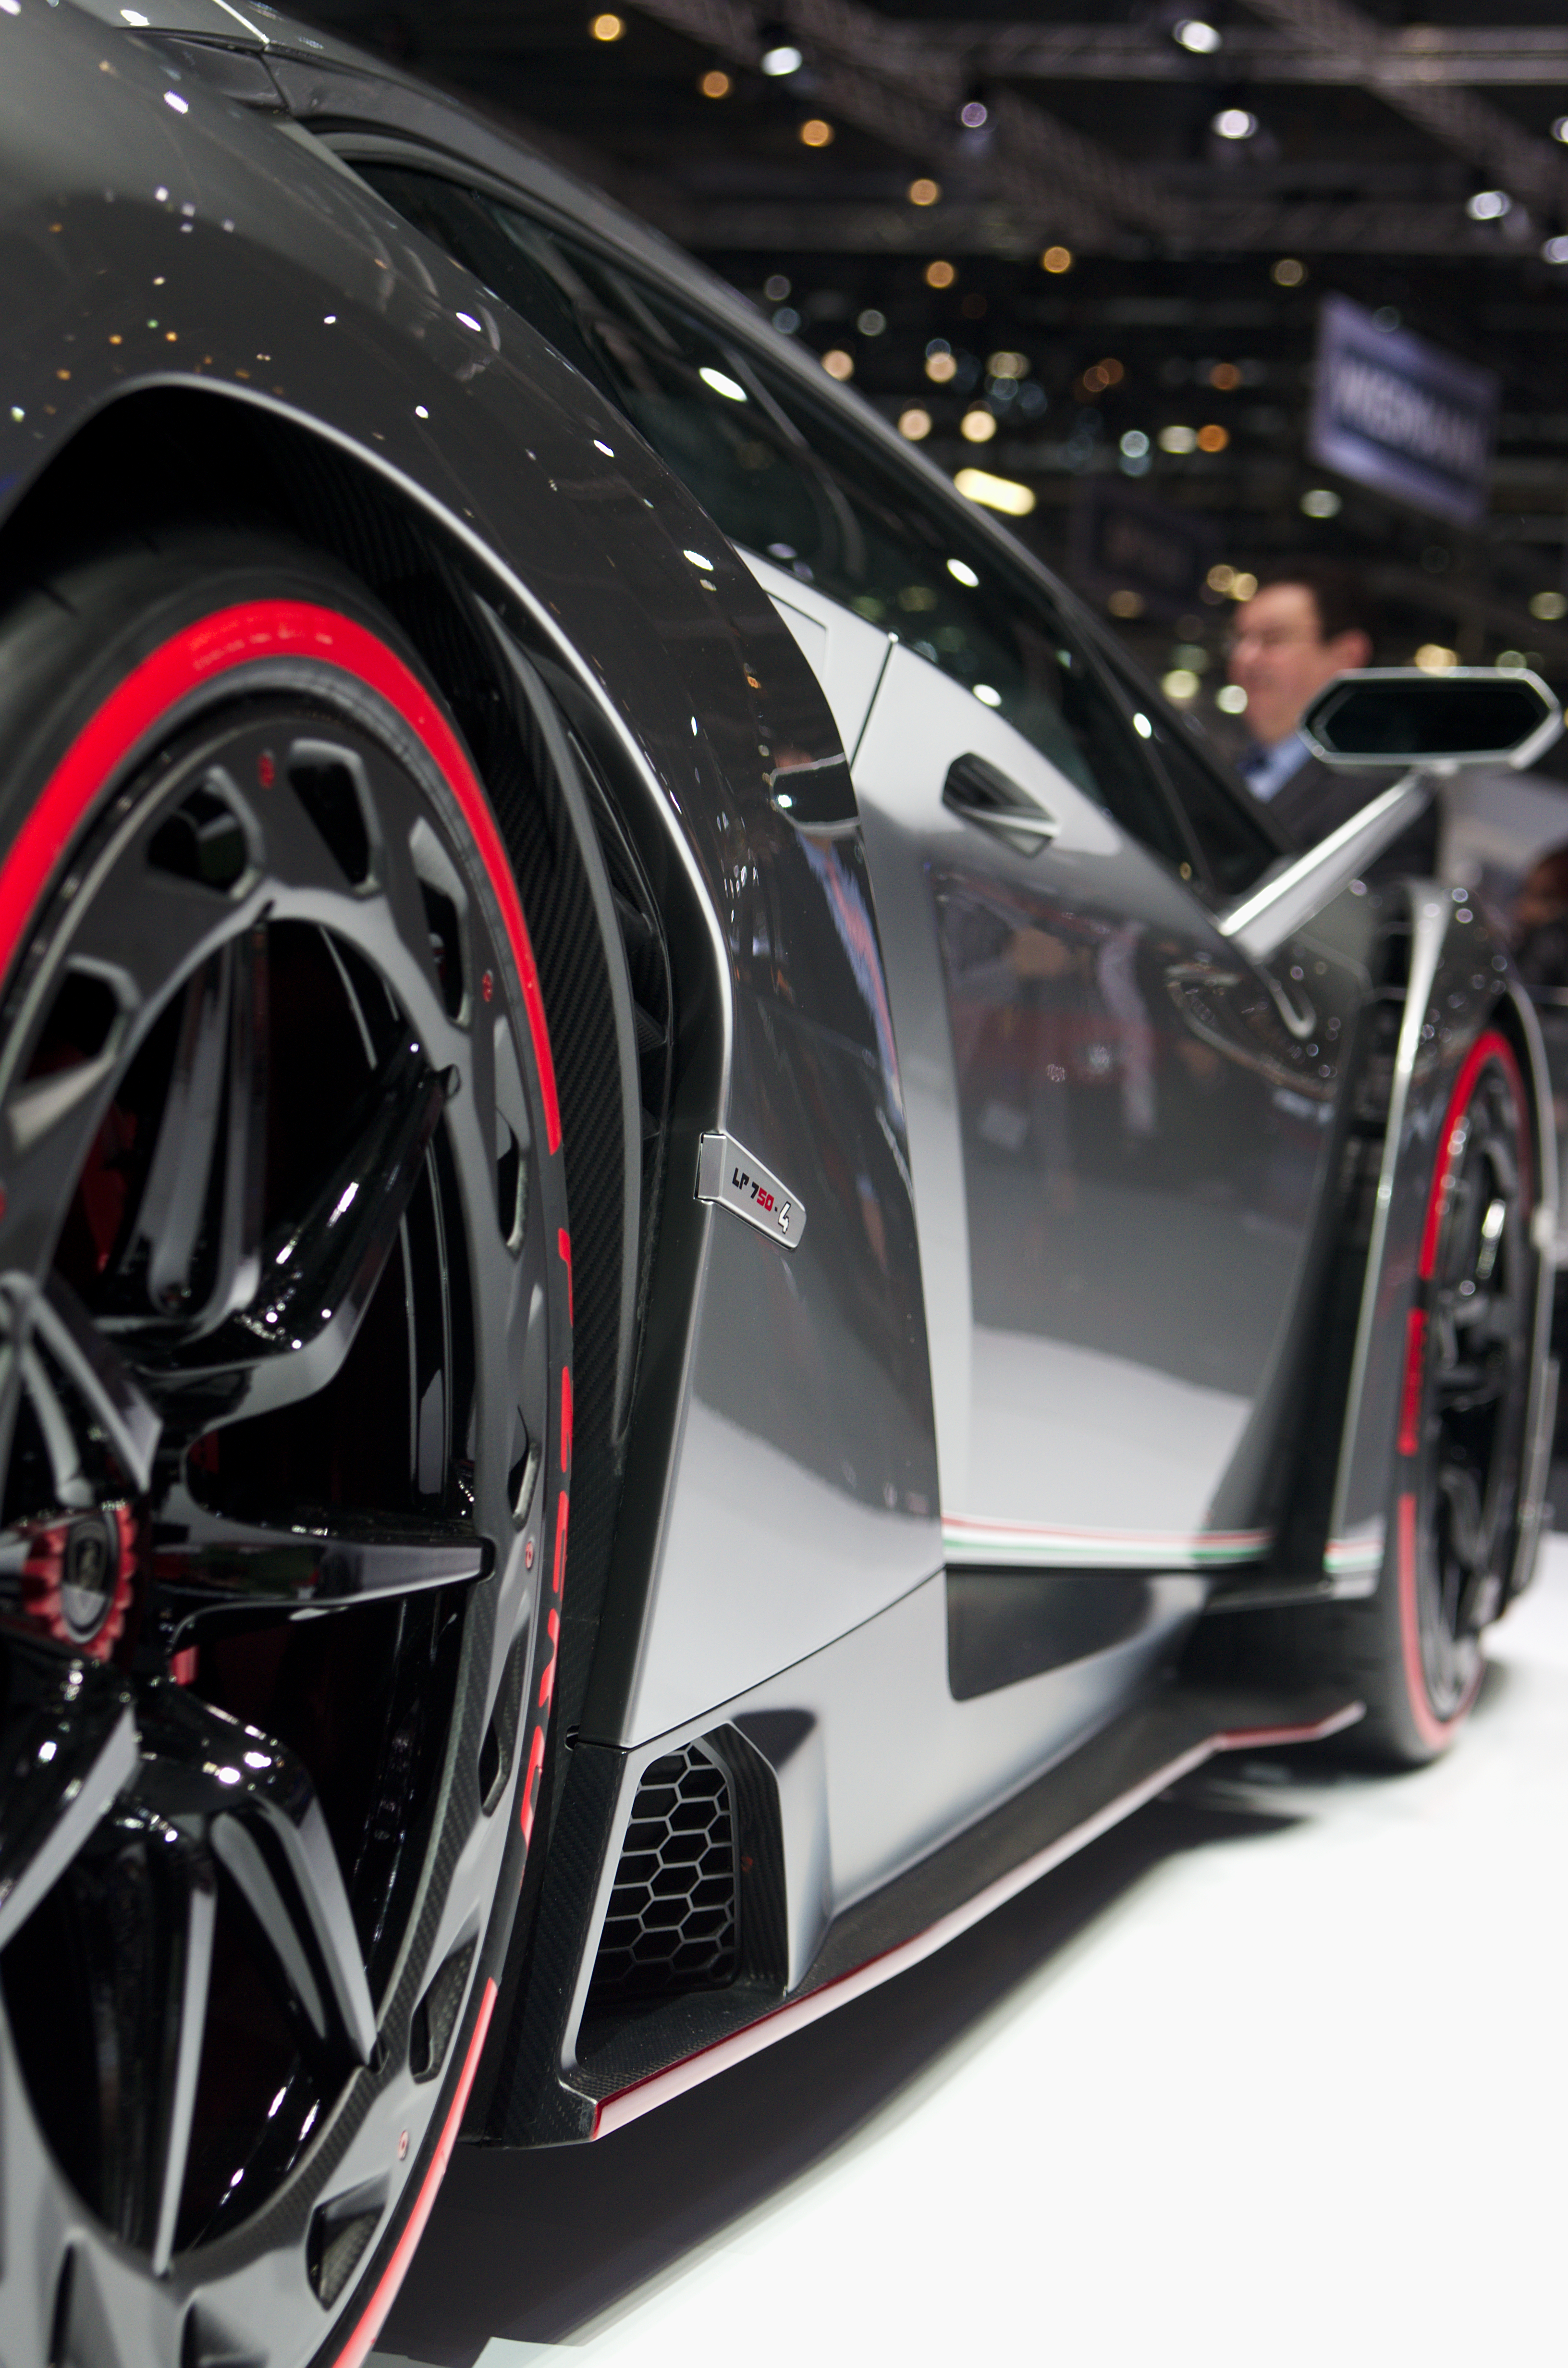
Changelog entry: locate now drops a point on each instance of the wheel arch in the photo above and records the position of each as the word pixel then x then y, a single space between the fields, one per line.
pixel 177 455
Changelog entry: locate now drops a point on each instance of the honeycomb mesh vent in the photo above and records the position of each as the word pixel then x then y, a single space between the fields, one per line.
pixel 672 1923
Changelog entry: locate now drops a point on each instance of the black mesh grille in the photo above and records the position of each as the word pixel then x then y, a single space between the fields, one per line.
pixel 673 1921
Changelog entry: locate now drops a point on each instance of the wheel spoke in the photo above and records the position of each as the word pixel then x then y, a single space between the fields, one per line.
pixel 320 1269
pixel 96 1368
pixel 266 1828
pixel 194 1242
pixel 67 1749
pixel 183 1870
pixel 221 1564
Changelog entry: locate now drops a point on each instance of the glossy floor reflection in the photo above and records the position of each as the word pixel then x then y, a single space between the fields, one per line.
pixel 1277 2072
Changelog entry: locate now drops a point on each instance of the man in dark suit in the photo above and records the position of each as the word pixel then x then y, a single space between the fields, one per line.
pixel 1310 620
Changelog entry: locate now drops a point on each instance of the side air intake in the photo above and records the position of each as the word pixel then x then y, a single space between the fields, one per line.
pixel 673 1923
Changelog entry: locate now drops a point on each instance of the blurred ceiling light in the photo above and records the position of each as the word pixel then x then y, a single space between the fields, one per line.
pixel 1322 501
pixel 607 27
pixel 871 323
pixel 1224 378
pixel 1512 661
pixel 781 58
pixel 978 427
pixel 815 133
pixel 715 83
pixel 924 192
pixel 1555 250
pixel 1287 272
pixel 1243 585
pixel 1432 658
pixel 1219 577
pixel 1007 365
pixel 987 695
pixel 974 114
pixel 914 423
pixel 1560 129
pixel 1181 683
pixel 1212 437
pixel 1489 205
pixel 1177 439
pixel 1234 123
pixel 1135 444
pixel 775 287
pixel 939 274
pixel 839 363
pixel 1126 604
pixel 1056 259
pixel 1231 698
pixel 939 368
pixel 1194 34
pixel 1549 607
pixel 997 492
pixel 722 383
pixel 962 573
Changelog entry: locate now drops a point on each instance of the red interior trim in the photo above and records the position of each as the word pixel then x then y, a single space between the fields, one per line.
pixel 231 638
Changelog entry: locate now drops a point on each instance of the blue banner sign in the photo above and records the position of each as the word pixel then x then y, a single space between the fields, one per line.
pixel 1401 415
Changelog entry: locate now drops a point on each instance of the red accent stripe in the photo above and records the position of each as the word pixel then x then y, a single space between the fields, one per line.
pixel 629 2104
pixel 1492 1046
pixel 563 1244
pixel 396 2269
pixel 562 1511
pixel 1414 1361
pixel 565 1418
pixel 547 1683
pixel 536 1761
pixel 198 655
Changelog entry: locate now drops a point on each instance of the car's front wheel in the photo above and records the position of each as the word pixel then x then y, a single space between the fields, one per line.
pixel 285 1423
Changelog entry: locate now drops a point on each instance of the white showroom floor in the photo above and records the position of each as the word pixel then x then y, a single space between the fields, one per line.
pixel 1276 2074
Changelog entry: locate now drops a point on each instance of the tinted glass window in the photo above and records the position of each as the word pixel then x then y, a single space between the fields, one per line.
pixel 786 478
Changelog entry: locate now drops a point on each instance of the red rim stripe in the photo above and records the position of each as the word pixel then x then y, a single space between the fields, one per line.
pixel 396 2269
pixel 1492 1046
pixel 197 655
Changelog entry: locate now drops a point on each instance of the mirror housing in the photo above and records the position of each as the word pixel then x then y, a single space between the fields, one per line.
pixel 1399 716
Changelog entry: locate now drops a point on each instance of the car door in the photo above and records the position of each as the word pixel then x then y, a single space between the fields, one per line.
pixel 1116 1162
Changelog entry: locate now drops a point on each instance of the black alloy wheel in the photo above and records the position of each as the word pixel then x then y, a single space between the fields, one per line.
pixel 285 1425
pixel 1413 1650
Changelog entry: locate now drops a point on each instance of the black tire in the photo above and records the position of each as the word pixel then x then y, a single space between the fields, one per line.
pixel 1413 1650
pixel 284 1424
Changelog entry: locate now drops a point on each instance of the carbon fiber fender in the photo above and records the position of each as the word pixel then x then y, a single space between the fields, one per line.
pixel 1459 983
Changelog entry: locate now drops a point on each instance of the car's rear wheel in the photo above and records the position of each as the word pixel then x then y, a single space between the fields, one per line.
pixel 284 1424
pixel 1415 1649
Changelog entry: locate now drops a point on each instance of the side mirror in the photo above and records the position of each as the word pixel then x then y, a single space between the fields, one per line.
pixel 1396 715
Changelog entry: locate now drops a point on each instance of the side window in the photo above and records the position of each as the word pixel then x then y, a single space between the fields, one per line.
pixel 914 568
pixel 784 477
pixel 1235 837
pixel 690 398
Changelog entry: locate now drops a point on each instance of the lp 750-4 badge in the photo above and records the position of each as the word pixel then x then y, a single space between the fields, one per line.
pixel 735 1181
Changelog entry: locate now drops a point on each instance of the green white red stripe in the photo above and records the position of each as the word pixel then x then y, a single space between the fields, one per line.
pixel 971 1540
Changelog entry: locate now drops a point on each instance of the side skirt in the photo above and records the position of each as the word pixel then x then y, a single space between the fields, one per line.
pixel 1123 1767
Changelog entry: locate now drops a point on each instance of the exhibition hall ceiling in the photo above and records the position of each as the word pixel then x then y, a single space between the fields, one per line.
pixel 1088 249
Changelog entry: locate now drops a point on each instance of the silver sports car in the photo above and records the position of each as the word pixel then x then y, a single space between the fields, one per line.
pixel 704 1245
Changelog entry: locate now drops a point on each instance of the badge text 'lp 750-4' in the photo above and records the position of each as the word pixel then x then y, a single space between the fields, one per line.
pixel 731 1177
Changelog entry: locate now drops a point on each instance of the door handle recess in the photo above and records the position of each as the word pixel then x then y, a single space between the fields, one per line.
pixel 981 792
